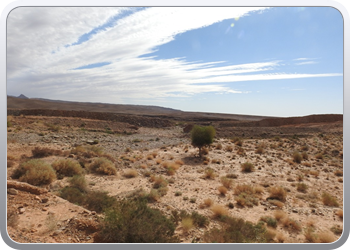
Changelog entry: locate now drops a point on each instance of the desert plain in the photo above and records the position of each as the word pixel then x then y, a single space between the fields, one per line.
pixel 283 174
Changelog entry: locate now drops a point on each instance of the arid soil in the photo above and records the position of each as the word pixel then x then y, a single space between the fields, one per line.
pixel 39 215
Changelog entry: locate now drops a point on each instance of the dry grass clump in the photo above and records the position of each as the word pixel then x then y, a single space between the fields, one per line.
pixel 159 181
pixel 319 156
pixel 339 213
pixel 209 173
pixel 246 195
pixel 297 157
pixel 237 141
pixel 179 162
pixel 10 164
pixel 39 152
pixel 35 172
pixel 187 224
pixel 307 164
pixel 222 190
pixel 67 167
pixel 277 203
pixel 314 173
pixel 130 173
pixel 240 151
pixel 154 154
pixel 226 182
pixel 218 146
pixel 247 167
pixel 231 176
pixel 229 148
pixel 149 157
pixel 302 187
pixel 338 172
pixel 102 165
pixel 329 200
pixel 216 161
pixel 153 195
pixel 278 193
pixel 310 235
pixel 218 211
pixel 205 151
pixel 159 161
pixel 206 203
pixel 291 224
pixel 337 229
pixel 260 148
pixel 143 166
pixel 279 215
pixel 325 237
pixel 12 219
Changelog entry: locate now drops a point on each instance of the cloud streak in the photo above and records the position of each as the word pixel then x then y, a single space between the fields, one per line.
pixel 40 61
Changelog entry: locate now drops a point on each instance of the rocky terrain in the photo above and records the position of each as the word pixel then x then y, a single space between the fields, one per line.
pixel 147 146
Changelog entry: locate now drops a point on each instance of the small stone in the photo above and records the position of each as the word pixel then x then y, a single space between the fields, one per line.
pixel 37 198
pixel 21 210
pixel 44 209
pixel 44 200
pixel 12 191
pixel 295 211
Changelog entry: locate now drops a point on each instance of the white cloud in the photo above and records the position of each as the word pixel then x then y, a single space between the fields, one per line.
pixel 40 62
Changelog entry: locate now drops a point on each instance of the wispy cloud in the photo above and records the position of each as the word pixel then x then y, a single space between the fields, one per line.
pixel 119 39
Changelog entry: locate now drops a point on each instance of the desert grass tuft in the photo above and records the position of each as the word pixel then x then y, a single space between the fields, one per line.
pixel 219 211
pixel 247 167
pixel 222 190
pixel 329 200
pixel 102 165
pixel 130 173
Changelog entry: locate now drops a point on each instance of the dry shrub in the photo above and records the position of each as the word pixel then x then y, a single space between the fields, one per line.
pixel 67 167
pixel 222 190
pixel 179 162
pixel 79 182
pixel 279 215
pixel 159 161
pixel 307 164
pixel 130 173
pixel 337 229
pixel 159 182
pixel 247 167
pixel 259 189
pixel 240 151
pixel 87 151
pixel 277 203
pixel 305 156
pixel 153 196
pixel 219 211
pixel 310 235
pixel 246 195
pixel 149 157
pixel 231 176
pixel 39 152
pixel 102 165
pixel 339 213
pixel 270 234
pixel 170 171
pixel 291 224
pixel 35 172
pixel 314 173
pixel 280 237
pixel 338 172
pixel 217 161
pixel 229 148
pixel 143 166
pixel 226 182
pixel 154 154
pixel 205 151
pixel 11 158
pixel 187 224
pixel 326 237
pixel 12 219
pixel 10 164
pixel 329 200
pixel 206 203
pixel 302 187
pixel 319 156
pixel 297 157
pixel 278 193
pixel 209 173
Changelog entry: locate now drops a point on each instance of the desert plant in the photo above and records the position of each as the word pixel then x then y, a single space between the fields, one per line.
pixel 329 200
pixel 339 213
pixel 247 167
pixel 130 221
pixel 102 165
pixel 99 201
pixel 206 203
pixel 73 195
pixel 35 172
pixel 187 224
pixel 222 190
pixel 338 172
pixel 219 211
pixel 301 187
pixel 67 167
pixel 78 181
pixel 278 193
pixel 297 157
pixel 130 173
pixel 39 152
pixel 236 230
pixel 336 229
pixel 202 136
pixel 226 182
pixel 209 173
pixel 270 221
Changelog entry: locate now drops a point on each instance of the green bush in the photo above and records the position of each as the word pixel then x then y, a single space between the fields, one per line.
pixel 78 181
pixel 102 165
pixel 236 230
pixel 35 172
pixel 202 136
pixel 98 201
pixel 67 167
pixel 73 195
pixel 132 221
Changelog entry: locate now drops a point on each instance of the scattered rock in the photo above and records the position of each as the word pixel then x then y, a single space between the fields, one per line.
pixel 12 191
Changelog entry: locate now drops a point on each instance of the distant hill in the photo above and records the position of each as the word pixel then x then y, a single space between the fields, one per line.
pixel 22 96
pixel 144 110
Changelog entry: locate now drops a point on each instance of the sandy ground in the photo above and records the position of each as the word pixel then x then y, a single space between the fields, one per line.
pixel 58 220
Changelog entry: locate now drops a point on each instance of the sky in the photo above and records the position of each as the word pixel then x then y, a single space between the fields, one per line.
pixel 279 61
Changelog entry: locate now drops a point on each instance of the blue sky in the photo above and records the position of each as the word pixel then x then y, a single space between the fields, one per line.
pixel 283 61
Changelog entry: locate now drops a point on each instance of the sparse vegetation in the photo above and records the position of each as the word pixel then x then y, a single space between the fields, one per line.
pixel 36 172
pixel 67 167
pixel 102 165
pixel 329 200
pixel 247 167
